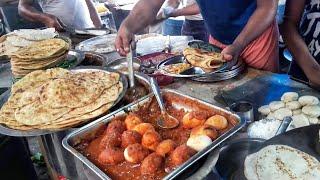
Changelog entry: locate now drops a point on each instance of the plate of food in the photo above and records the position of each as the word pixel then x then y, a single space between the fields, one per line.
pixel 199 59
pixel 128 144
pixel 47 101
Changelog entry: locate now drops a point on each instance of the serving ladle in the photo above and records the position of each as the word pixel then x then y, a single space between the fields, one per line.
pixel 165 121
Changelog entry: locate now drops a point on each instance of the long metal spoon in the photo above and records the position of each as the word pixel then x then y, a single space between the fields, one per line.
pixel 165 121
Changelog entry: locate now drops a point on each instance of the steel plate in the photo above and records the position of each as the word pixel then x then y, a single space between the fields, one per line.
pixel 36 132
pixel 89 131
pixel 189 73
pixel 100 42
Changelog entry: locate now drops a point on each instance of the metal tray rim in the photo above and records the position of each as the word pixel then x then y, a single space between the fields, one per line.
pixel 177 171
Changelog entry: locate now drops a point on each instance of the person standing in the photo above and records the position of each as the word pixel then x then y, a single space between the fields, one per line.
pixel 301 33
pixel 78 14
pixel 245 29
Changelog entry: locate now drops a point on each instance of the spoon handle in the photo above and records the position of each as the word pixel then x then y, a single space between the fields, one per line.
pixel 284 125
pixel 130 68
pixel 157 94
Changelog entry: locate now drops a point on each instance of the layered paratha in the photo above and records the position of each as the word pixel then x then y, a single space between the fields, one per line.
pixel 203 59
pixel 57 98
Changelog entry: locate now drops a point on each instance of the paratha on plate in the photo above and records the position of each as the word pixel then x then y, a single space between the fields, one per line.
pixel 203 59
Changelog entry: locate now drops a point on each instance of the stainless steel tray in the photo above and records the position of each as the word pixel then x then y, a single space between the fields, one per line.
pixel 89 131
pixel 99 42
pixel 226 74
pixel 37 132
pixel 189 73
pixel 73 59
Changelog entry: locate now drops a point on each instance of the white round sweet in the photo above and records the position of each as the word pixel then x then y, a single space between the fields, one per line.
pixel 200 142
pixel 281 113
pixel 308 100
pixel 264 110
pixel 271 116
pixel 275 105
pixel 289 96
pixel 313 120
pixel 296 112
pixel 312 111
pixel 293 105
pixel 298 121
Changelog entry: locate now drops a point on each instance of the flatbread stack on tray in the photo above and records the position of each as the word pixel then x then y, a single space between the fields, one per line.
pixel 12 42
pixel 208 61
pixel 56 99
pixel 281 162
pixel 39 55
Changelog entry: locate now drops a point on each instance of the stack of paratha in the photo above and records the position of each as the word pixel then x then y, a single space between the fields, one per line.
pixel 57 98
pixel 203 59
pixel 39 55
pixel 12 42
pixel 281 162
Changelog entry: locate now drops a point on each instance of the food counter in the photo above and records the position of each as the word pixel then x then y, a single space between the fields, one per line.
pixel 258 87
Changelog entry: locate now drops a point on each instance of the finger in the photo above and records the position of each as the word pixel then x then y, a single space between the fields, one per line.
pixel 227 57
pixel 118 45
pixel 126 44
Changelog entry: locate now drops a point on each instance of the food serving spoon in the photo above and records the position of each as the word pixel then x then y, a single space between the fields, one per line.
pixel 165 121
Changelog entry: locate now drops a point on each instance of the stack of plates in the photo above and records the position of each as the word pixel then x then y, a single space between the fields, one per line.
pixel 39 55
pixel 223 74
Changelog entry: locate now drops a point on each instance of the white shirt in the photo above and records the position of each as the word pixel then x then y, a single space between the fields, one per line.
pixel 193 17
pixel 73 13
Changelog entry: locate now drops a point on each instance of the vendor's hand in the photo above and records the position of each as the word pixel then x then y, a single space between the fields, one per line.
pixel 165 13
pixel 314 80
pixel 231 52
pixel 123 40
pixel 53 22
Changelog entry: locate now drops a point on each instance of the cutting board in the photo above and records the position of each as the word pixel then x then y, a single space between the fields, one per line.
pixel 264 89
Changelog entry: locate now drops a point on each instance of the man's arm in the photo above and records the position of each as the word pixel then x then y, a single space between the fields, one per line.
pixel 289 30
pixel 143 14
pixel 27 11
pixel 260 20
pixel 186 11
pixel 94 14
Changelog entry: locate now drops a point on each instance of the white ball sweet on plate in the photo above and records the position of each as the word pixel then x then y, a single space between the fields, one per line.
pixel 308 100
pixel 293 105
pixel 296 112
pixel 289 96
pixel 198 143
pixel 264 110
pixel 298 121
pixel 275 105
pixel 281 113
pixel 271 116
pixel 312 111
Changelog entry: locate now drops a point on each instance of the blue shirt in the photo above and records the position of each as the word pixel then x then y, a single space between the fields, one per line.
pixel 225 19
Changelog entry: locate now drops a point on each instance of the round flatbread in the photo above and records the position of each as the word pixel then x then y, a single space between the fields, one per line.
pixel 281 162
pixel 298 121
pixel 296 112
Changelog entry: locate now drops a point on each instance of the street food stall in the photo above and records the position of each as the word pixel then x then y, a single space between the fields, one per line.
pixel 172 109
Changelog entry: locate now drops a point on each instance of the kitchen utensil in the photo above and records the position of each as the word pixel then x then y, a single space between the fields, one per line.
pixel 284 125
pixel 165 121
pixel 244 109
